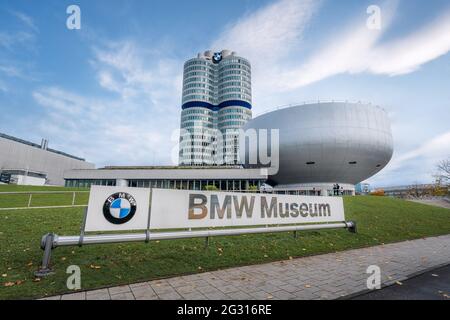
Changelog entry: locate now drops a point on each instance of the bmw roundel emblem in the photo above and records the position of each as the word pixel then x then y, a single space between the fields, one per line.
pixel 217 57
pixel 119 208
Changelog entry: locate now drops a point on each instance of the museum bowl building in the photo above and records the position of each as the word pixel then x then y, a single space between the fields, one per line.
pixel 324 144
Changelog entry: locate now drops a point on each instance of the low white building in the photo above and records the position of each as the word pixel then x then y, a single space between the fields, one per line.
pixel 29 163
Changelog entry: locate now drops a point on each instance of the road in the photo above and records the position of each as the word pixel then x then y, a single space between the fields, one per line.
pixel 433 285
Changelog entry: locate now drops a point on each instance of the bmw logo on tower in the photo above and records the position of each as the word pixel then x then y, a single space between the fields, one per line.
pixel 217 57
pixel 119 208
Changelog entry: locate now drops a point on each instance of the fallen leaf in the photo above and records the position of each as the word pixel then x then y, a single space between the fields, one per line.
pixel 399 283
pixel 30 263
pixel 36 279
pixel 269 297
pixel 9 284
pixel 4 275
pixel 307 286
pixel 290 258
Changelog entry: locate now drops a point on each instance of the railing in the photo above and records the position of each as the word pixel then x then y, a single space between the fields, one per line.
pixel 70 199
pixel 42 199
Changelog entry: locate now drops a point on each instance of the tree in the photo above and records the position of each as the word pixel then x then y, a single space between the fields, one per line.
pixel 210 188
pixel 444 171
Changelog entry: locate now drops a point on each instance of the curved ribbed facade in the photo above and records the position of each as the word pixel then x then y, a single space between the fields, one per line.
pixel 216 103
pixel 322 144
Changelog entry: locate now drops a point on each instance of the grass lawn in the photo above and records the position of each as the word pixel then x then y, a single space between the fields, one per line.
pixel 380 220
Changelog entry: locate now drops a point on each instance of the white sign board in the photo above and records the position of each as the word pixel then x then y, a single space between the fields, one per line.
pixel 117 209
pixel 121 208
pixel 173 209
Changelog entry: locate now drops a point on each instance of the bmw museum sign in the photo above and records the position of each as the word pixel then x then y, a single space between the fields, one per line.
pixel 118 209
pixel 156 212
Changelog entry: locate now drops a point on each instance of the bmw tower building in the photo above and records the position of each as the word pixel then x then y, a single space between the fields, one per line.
pixel 216 103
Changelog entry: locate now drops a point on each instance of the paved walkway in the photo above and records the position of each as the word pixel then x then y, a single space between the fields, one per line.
pixel 327 276
pixel 437 202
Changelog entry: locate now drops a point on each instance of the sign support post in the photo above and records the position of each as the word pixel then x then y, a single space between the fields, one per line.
pixel 45 269
pixel 147 231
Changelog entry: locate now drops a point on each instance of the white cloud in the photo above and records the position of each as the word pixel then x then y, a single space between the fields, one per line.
pixel 12 40
pixel 126 69
pixel 268 37
pixel 20 70
pixel 359 50
pixel 408 54
pixel 132 128
pixel 269 33
pixel 416 165
pixel 435 149
pixel 3 86
pixel 27 20
pixel 103 130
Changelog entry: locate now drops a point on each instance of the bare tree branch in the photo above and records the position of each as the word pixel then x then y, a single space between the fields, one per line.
pixel 444 170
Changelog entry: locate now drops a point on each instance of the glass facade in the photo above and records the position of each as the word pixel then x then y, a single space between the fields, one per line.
pixel 87 183
pixel 180 184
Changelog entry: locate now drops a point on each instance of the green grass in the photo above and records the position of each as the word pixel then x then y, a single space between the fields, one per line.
pixel 20 200
pixel 380 220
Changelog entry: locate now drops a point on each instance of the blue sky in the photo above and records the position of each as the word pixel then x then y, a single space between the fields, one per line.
pixel 111 91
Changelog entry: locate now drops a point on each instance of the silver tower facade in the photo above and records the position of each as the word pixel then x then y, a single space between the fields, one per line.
pixel 216 103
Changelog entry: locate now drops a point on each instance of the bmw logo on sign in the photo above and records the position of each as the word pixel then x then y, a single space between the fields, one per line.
pixel 119 208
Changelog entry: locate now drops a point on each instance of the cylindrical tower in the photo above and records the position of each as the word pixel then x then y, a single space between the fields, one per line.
pixel 198 121
pixel 234 99
pixel 216 103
